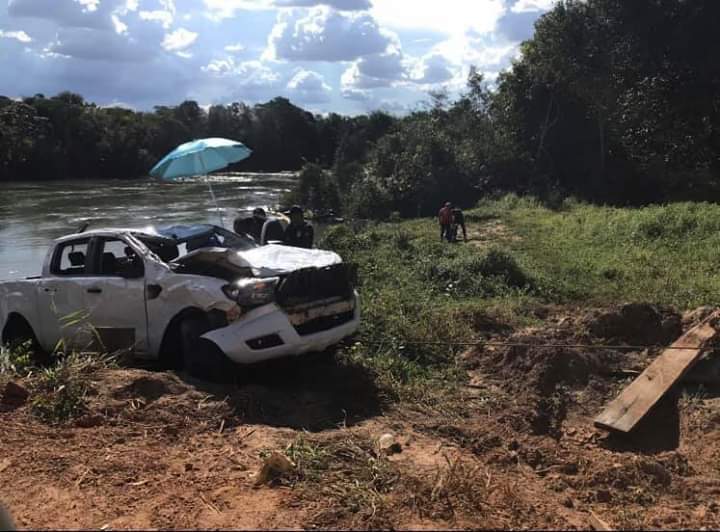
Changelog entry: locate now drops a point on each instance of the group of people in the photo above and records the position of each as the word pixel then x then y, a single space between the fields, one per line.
pixel 451 219
pixel 268 229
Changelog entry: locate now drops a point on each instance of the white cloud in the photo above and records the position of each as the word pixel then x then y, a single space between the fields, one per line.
pixel 119 25
pixel 448 16
pixel 17 35
pixel 235 48
pixel 529 6
pixel 221 9
pixel 356 94
pixel 179 40
pixel 248 73
pixel 228 79
pixel 307 86
pixel 324 34
pixel 432 69
pixel 374 71
pixel 90 5
pixel 163 17
pixel 343 5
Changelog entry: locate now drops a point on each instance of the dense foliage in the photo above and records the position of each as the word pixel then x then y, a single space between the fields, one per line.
pixel 66 137
pixel 610 101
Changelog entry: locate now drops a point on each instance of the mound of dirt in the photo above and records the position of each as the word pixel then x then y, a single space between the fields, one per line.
pixel 158 399
pixel 636 324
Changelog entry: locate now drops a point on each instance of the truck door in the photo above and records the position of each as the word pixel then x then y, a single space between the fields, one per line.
pixel 61 296
pixel 115 296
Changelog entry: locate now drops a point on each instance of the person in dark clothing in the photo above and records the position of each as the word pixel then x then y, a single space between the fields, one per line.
pixel 272 231
pixel 458 220
pixel 251 225
pixel 299 233
pixel 445 220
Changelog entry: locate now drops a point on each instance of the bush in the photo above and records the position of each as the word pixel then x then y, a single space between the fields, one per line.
pixel 315 188
pixel 490 274
pixel 60 391
pixel 367 199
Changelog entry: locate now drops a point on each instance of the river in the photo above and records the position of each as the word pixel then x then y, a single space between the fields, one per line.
pixel 32 214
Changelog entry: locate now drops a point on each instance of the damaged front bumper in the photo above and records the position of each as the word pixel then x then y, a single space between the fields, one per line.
pixel 271 331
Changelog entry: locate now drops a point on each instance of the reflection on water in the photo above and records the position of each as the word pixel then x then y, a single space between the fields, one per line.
pixel 33 214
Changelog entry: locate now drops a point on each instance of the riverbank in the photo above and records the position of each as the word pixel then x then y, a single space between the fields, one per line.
pixel 488 436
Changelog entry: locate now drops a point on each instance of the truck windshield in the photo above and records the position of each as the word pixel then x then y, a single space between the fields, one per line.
pixel 179 240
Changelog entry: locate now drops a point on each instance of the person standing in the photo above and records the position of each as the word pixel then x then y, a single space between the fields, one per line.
pixel 299 233
pixel 458 219
pixel 445 219
pixel 273 232
pixel 251 225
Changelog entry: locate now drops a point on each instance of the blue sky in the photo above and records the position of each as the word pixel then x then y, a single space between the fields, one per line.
pixel 346 56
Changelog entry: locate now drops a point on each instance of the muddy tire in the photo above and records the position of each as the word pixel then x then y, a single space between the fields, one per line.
pixel 19 333
pixel 201 358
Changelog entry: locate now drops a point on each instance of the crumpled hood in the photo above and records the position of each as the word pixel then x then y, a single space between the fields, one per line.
pixel 265 261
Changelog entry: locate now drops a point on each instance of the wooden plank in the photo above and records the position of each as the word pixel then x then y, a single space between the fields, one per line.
pixel 637 399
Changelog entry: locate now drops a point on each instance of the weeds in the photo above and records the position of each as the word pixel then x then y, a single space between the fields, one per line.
pixel 457 488
pixel 18 360
pixel 348 471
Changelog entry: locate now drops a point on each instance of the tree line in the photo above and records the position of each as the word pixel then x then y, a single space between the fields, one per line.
pixel 610 101
pixel 64 136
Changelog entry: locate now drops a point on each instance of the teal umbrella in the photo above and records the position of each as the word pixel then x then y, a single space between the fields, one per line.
pixel 200 157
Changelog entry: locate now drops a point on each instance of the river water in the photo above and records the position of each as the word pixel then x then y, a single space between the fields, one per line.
pixel 32 214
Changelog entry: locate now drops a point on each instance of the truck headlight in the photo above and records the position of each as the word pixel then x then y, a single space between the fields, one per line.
pixel 252 292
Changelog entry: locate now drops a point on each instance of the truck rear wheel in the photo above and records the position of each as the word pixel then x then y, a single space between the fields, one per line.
pixel 18 333
pixel 201 358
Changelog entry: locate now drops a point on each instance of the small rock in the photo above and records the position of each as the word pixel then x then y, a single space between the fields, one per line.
pixel 189 467
pixel 602 496
pixel 274 466
pixel 388 445
pixel 14 395
pixel 89 421
pixel 568 502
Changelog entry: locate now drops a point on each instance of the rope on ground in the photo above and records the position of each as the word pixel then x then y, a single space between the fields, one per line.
pixel 525 344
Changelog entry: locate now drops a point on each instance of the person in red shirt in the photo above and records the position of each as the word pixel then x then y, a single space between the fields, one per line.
pixel 445 218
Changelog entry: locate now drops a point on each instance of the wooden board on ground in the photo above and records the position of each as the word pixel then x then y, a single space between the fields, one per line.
pixel 637 399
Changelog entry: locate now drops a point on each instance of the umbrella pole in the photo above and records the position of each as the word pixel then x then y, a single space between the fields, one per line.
pixel 212 194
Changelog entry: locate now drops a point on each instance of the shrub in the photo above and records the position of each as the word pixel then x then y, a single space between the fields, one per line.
pixel 490 274
pixel 60 391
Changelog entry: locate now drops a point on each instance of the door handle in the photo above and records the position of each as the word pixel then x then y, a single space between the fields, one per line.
pixel 49 290
pixel 94 290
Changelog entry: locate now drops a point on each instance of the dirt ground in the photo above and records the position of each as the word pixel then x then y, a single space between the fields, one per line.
pixel 160 451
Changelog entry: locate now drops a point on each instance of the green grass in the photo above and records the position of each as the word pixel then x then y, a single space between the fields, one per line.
pixel 417 289
pixel 599 255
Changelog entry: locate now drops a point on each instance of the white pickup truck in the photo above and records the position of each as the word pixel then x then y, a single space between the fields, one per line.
pixel 197 297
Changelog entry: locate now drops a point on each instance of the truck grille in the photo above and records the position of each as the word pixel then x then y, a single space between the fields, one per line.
pixel 313 284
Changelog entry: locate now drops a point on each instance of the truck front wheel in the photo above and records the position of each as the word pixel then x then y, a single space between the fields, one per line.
pixel 201 358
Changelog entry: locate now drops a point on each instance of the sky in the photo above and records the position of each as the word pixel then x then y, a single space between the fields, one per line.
pixel 345 56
